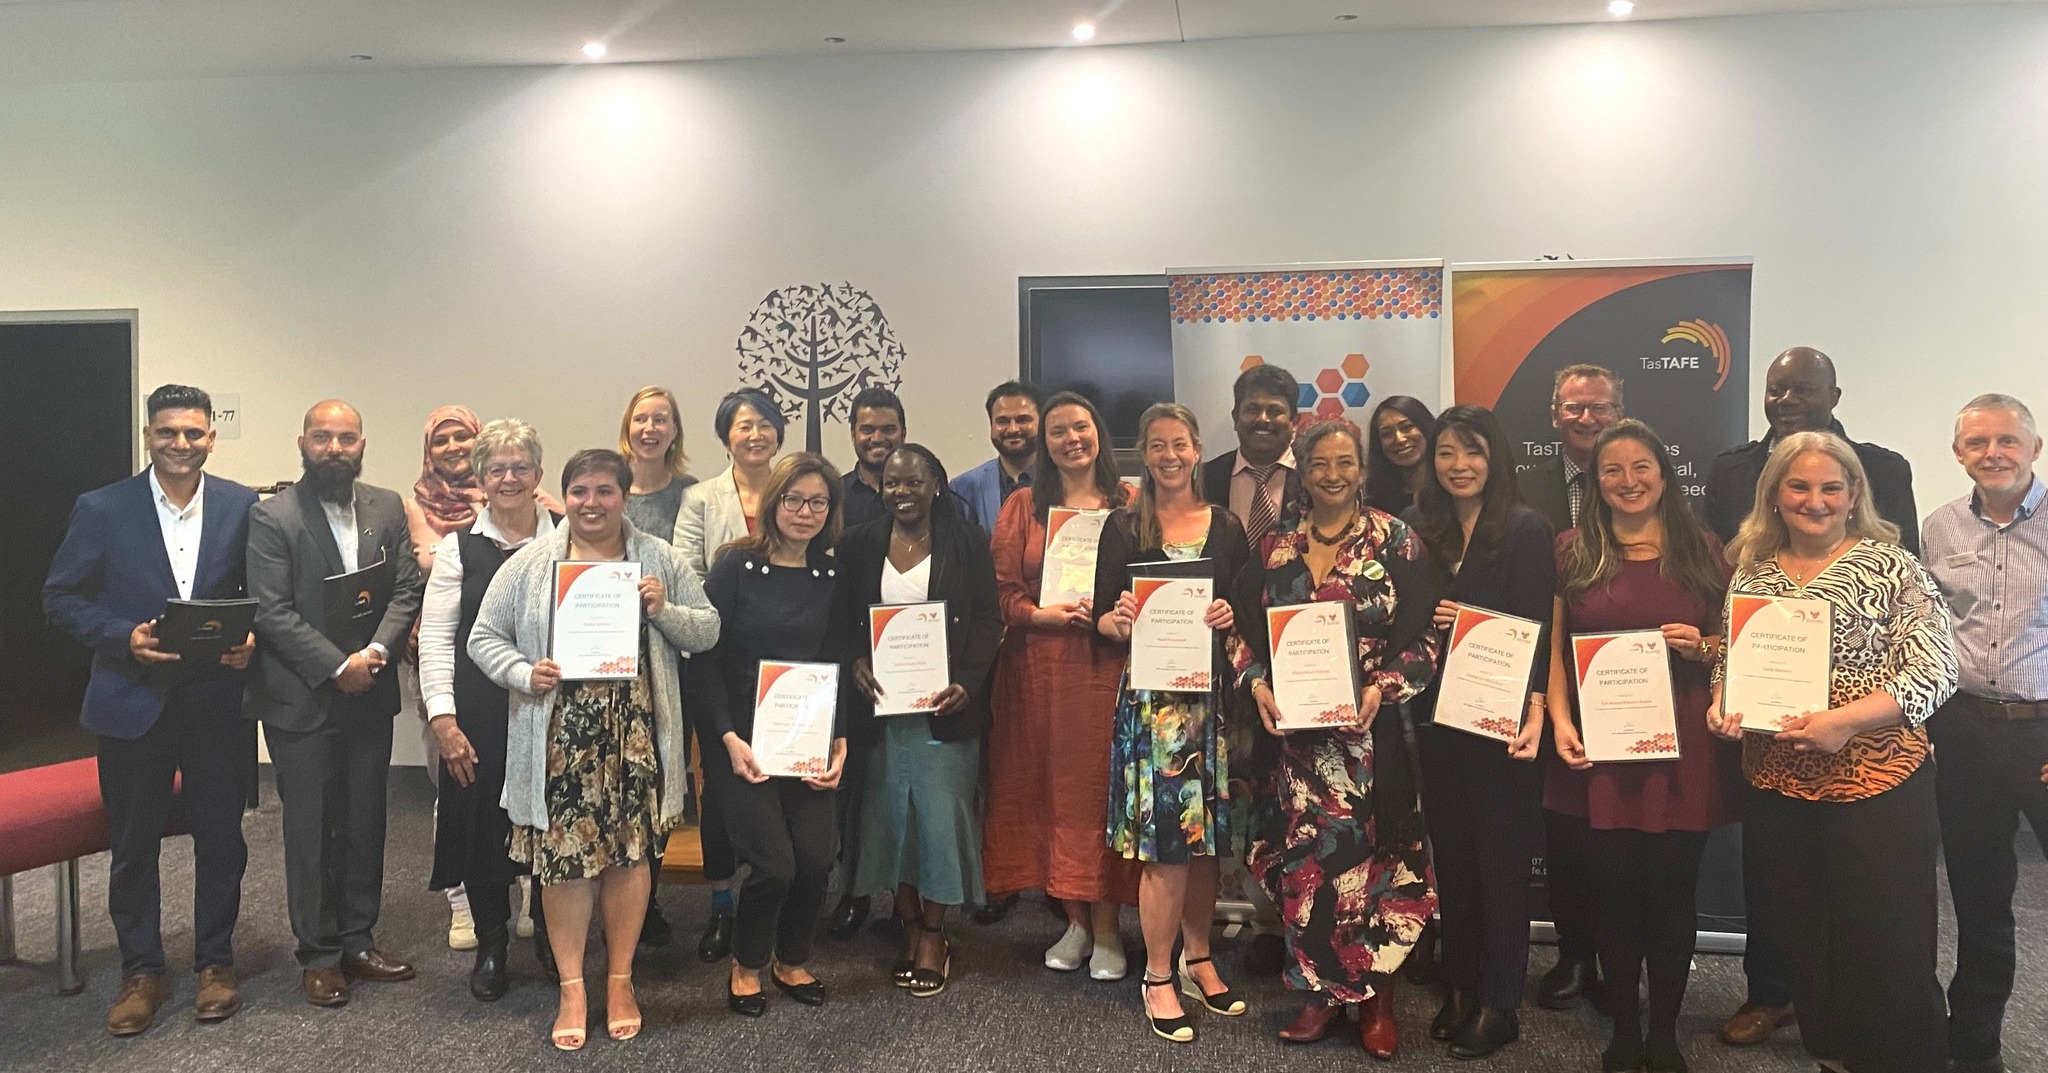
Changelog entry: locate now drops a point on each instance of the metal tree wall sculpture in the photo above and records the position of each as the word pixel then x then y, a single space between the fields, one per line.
pixel 813 347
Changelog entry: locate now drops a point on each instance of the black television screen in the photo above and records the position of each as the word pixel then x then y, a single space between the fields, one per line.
pixel 1107 337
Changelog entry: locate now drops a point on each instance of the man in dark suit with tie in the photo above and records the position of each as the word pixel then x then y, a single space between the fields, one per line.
pixel 319 688
pixel 169 532
pixel 1256 481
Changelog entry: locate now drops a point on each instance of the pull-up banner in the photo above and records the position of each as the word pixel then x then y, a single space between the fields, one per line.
pixel 1350 333
pixel 1675 332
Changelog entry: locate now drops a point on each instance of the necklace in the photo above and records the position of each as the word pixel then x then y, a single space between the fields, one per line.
pixel 1331 541
pixel 1821 563
pixel 912 545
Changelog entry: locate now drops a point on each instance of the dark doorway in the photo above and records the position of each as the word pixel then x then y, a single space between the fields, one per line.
pixel 71 428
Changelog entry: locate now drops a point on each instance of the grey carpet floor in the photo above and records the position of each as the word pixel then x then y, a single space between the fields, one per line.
pixel 1003 1011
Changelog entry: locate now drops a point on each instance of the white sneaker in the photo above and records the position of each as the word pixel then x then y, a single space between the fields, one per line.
pixel 523 924
pixel 1072 949
pixel 1107 961
pixel 461 929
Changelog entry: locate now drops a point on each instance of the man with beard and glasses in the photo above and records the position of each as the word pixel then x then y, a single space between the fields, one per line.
pixel 879 427
pixel 1013 408
pixel 319 690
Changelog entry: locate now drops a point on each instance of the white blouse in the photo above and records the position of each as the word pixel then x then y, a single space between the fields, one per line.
pixel 441 609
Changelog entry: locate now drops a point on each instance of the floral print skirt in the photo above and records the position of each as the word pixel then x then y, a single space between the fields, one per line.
pixel 604 784
pixel 1351 907
pixel 1169 778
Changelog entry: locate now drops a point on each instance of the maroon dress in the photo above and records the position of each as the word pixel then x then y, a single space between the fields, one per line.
pixel 1696 792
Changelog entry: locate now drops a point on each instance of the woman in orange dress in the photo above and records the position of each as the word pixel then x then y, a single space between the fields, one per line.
pixel 1053 705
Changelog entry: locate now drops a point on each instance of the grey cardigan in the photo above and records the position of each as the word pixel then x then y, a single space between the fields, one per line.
pixel 511 634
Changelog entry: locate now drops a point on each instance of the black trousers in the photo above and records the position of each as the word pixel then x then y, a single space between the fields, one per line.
pixel 330 786
pixel 1570 879
pixel 719 862
pixel 210 752
pixel 784 831
pixel 1990 776
pixel 1854 891
pixel 1646 919
pixel 1485 823
pixel 853 782
pixel 1763 959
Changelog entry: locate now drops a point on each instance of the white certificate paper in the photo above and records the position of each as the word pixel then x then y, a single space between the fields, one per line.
pixel 595 632
pixel 1625 706
pixel 907 645
pixel 1778 660
pixel 1314 665
pixel 793 708
pixel 1485 684
pixel 1170 647
pixel 1071 537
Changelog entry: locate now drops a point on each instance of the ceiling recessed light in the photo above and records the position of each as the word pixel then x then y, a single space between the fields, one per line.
pixel 1084 31
pixel 1346 18
pixel 835 40
pixel 595 50
pixel 1621 9
pixel 362 57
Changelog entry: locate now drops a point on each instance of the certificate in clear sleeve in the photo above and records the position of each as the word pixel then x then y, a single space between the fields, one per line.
pixel 1484 689
pixel 1171 647
pixel 793 708
pixel 594 630
pixel 1779 660
pixel 907 653
pixel 1314 665
pixel 1071 537
pixel 1626 711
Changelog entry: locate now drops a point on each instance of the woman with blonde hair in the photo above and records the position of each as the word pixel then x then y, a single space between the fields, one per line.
pixel 1840 815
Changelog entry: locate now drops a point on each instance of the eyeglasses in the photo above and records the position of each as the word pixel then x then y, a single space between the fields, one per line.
pixel 521 470
pixel 1586 409
pixel 800 505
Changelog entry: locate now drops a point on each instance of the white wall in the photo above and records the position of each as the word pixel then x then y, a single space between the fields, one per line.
pixel 541 242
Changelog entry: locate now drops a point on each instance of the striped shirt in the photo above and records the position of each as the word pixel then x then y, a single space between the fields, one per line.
pixel 1995 581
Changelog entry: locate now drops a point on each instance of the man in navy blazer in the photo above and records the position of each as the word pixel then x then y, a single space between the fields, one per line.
pixel 169 532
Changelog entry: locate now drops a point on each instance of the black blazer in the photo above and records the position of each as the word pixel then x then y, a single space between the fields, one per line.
pixel 1542 488
pixel 1731 487
pixel 1216 484
pixel 964 577
pixel 1517 575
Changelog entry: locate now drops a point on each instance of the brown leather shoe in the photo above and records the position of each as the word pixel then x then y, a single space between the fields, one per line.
pixel 1313 1023
pixel 219 996
pixel 376 966
pixel 134 1009
pixel 1753 1023
pixel 325 987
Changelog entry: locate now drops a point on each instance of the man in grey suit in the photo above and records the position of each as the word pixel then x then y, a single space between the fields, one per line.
pixel 325 704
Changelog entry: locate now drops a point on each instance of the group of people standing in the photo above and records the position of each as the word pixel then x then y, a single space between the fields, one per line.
pixel 1041 767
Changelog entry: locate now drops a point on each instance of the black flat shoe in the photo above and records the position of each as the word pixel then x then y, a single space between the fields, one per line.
pixel 810 994
pixel 847 918
pixel 487 980
pixel 1663 1056
pixel 716 945
pixel 753 1005
pixel 655 931
pixel 1562 987
pixel 995 910
pixel 1624 1054
pixel 1488 1031
pixel 1458 1008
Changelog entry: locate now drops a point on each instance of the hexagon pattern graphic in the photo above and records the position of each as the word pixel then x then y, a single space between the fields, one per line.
pixel 1331 391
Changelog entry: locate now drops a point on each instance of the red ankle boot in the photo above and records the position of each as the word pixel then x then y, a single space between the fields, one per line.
pixel 1376 1028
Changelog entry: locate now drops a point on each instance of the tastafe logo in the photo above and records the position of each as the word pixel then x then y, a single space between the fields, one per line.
pixel 1707 335
pixel 211 628
pixel 362 601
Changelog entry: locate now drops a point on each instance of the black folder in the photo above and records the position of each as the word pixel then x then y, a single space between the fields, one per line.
pixel 355 603
pixel 199 631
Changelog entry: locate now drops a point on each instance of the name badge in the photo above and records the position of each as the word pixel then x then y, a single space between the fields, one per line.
pixel 1961 558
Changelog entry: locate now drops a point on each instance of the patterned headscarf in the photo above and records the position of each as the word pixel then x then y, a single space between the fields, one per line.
pixel 446 506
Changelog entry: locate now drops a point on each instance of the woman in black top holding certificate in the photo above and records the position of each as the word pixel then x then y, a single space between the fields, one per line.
pixel 1339 843
pixel 774 591
pixel 1483 796
pixel 1169 779
pixel 922 833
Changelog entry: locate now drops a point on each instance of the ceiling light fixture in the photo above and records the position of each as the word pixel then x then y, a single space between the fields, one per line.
pixel 1621 9
pixel 1347 18
pixel 835 40
pixel 595 50
pixel 1084 31
pixel 362 57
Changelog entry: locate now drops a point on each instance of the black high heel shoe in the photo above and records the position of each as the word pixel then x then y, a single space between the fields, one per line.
pixel 905 969
pixel 1178 1029
pixel 924 983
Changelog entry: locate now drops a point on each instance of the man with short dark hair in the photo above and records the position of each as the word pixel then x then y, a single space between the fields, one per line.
pixel 1988 552
pixel 1800 395
pixel 1584 401
pixel 167 533
pixel 879 427
pixel 1013 408
pixel 1256 481
pixel 319 688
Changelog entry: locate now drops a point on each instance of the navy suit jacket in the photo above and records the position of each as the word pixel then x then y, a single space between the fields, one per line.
pixel 112 574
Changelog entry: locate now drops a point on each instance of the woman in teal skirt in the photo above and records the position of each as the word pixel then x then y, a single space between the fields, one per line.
pixel 921 835
pixel 1169 772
